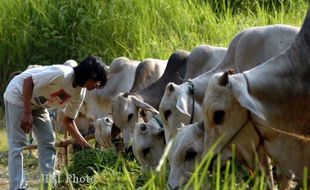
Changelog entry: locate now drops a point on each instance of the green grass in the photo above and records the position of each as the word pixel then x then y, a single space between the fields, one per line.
pixel 3 135
pixel 50 32
pixel 3 142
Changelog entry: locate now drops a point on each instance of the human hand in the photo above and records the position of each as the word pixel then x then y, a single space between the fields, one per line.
pixel 26 123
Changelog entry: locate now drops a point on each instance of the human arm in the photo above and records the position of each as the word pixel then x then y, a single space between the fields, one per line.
pixel 71 127
pixel 26 122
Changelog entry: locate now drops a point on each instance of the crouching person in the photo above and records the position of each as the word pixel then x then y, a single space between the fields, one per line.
pixel 27 98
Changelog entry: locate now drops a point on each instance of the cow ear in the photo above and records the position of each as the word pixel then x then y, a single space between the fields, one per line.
pixel 223 80
pixel 142 105
pixel 201 127
pixel 182 105
pixel 239 88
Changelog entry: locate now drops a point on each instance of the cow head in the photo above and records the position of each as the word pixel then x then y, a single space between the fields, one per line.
pixel 226 120
pixel 185 153
pixel 125 114
pixel 103 128
pixel 148 143
pixel 176 108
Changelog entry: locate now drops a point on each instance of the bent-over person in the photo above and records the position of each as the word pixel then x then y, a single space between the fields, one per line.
pixel 27 98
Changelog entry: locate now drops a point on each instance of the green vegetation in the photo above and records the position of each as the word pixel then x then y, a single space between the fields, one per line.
pixel 3 135
pixel 50 32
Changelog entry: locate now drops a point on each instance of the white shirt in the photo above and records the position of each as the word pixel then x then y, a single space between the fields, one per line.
pixel 52 89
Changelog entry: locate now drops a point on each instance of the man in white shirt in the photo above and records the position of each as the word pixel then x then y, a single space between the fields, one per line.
pixel 27 98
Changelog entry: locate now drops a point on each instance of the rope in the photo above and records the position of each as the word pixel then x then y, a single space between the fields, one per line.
pixel 191 90
pixel 156 117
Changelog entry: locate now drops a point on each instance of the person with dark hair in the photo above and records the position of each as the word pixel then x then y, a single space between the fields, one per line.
pixel 27 98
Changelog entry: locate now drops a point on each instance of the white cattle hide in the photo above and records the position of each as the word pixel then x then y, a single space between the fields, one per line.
pixel 249 48
pixel 148 143
pixel 273 98
pixel 148 71
pixel 103 128
pixel 123 75
pixel 202 59
pixel 120 79
pixel 185 153
pixel 127 107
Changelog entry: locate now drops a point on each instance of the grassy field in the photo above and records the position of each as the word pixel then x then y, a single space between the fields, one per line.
pixel 50 32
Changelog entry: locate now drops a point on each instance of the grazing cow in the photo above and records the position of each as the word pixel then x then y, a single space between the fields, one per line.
pixel 125 106
pixel 202 59
pixel 122 76
pixel 148 71
pixel 149 143
pixel 82 122
pixel 269 106
pixel 248 49
pixel 186 153
pixel 103 128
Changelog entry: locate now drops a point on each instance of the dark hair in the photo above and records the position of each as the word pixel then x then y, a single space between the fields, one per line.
pixel 90 68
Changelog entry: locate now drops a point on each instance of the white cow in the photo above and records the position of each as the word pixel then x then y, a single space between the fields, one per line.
pixel 103 127
pixel 126 106
pixel 248 49
pixel 148 71
pixel 120 79
pixel 202 59
pixel 185 154
pixel 269 106
pixel 149 143
pixel 123 75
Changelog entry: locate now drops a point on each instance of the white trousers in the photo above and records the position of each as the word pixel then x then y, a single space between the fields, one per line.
pixel 45 136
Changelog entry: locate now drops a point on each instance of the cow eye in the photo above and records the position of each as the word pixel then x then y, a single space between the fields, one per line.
pixel 146 151
pixel 167 113
pixel 190 154
pixel 143 127
pixel 108 120
pixel 218 117
pixel 130 116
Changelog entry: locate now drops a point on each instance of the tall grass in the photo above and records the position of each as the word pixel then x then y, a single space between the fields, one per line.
pixel 50 32
pixel 3 137
pixel 3 134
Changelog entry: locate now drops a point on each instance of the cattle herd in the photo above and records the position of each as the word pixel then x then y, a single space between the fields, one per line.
pixel 254 95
